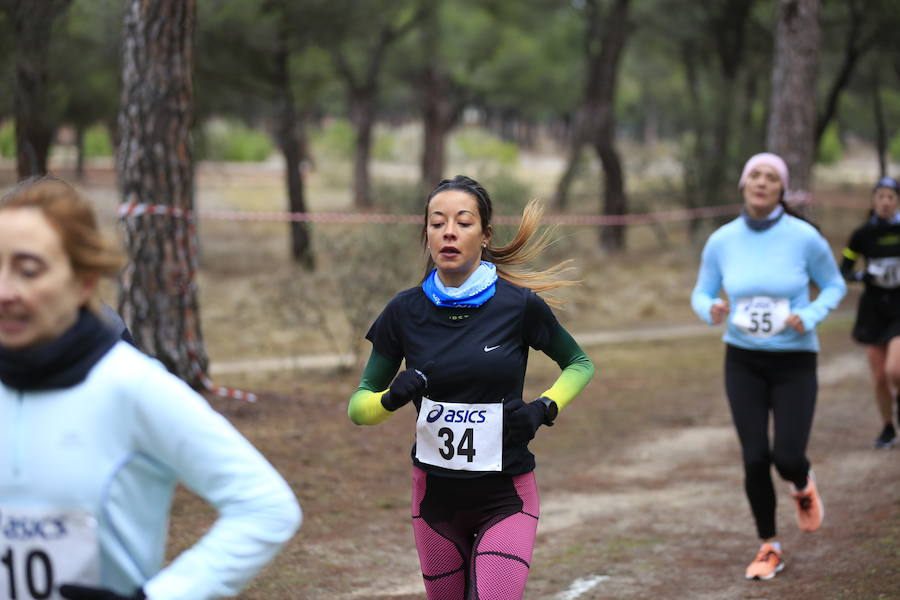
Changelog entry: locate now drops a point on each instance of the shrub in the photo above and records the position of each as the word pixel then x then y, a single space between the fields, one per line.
pixel 335 139
pixel 383 145
pixel 8 140
pixel 397 196
pixel 479 145
pixel 233 141
pixel 894 147
pixel 97 141
pixel 830 148
pixel 508 195
pixel 330 299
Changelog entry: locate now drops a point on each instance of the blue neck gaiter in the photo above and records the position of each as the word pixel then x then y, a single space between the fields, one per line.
pixel 764 223
pixel 475 291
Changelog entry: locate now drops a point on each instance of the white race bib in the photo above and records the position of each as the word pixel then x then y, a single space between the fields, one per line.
pixel 761 316
pixel 40 549
pixel 885 272
pixel 458 436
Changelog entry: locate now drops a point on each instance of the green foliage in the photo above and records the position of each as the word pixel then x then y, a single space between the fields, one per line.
pixel 334 140
pixel 893 147
pixel 830 148
pixel 8 140
pixel 97 142
pixel 383 146
pixel 397 196
pixel 478 145
pixel 233 141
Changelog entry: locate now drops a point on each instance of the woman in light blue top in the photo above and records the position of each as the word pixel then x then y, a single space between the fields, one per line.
pixel 764 261
pixel 94 435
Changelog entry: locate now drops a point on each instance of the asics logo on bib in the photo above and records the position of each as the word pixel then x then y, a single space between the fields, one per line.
pixel 26 528
pixel 435 413
pixel 465 416
pixel 456 416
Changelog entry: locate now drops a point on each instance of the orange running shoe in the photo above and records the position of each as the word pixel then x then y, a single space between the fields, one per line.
pixel 810 510
pixel 769 562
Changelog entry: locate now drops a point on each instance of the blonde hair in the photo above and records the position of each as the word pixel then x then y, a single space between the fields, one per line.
pixel 525 246
pixel 90 252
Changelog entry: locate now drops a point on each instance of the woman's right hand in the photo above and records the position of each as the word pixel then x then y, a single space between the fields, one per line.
pixel 719 311
pixel 407 386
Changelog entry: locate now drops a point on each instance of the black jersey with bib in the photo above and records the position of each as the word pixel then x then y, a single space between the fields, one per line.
pixel 480 354
pixel 877 241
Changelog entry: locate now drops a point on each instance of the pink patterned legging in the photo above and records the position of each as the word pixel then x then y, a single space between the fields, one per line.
pixel 475 537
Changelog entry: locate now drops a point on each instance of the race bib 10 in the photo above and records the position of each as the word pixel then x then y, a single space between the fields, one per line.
pixel 761 316
pixel 459 436
pixel 40 549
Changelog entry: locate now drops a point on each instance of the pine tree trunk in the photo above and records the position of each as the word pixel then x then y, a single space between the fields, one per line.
pixel 288 141
pixel 437 107
pixel 32 25
pixel 881 137
pixel 612 239
pixel 158 288
pixel 79 151
pixel 579 135
pixel 792 123
pixel 602 104
pixel 362 115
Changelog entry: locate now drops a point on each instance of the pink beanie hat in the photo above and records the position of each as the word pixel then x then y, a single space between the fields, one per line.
pixel 765 158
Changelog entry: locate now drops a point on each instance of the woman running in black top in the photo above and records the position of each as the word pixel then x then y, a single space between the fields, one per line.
pixel 878 316
pixel 465 334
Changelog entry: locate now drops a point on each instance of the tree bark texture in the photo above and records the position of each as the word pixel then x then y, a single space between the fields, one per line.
pixel 728 27
pixel 438 110
pixel 792 122
pixel 32 25
pixel 595 119
pixel 286 134
pixel 158 287
pixel 856 45
pixel 363 95
pixel 362 115
pixel 881 136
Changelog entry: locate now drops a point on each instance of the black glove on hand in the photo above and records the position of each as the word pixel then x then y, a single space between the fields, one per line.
pixel 80 592
pixel 408 385
pixel 522 420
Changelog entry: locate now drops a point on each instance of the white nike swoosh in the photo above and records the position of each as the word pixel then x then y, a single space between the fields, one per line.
pixel 489 348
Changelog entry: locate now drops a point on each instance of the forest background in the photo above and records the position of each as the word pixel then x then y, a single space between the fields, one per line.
pixel 347 112
pixel 631 107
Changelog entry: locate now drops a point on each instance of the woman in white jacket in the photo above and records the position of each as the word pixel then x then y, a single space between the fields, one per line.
pixel 94 435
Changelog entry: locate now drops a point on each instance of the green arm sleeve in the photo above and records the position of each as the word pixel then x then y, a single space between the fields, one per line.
pixel 365 404
pixel 577 368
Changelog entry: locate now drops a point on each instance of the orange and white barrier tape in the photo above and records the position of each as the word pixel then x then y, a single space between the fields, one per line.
pixel 223 391
pixel 139 209
pixel 135 210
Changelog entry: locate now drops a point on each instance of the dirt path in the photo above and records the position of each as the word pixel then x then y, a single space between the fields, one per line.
pixel 641 493
pixel 676 507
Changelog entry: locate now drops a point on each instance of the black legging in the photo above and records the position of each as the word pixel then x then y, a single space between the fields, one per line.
pixel 784 383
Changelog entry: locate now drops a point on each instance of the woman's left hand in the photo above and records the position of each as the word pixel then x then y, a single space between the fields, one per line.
pixel 522 420
pixel 796 323
pixel 80 592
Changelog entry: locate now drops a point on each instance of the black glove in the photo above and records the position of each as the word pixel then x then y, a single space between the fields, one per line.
pixel 522 420
pixel 408 385
pixel 80 592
